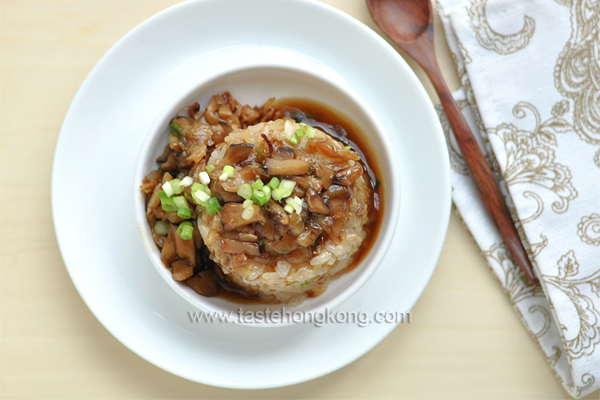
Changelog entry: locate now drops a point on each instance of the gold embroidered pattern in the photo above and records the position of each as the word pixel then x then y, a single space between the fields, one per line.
pixel 492 40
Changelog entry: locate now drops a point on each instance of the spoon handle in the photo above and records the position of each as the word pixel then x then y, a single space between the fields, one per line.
pixel 482 174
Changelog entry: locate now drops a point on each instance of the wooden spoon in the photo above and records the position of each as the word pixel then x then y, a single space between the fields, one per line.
pixel 409 24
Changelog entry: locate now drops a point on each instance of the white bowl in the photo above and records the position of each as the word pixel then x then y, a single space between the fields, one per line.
pixel 254 84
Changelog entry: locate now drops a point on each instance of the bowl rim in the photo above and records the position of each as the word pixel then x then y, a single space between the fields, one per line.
pixel 392 193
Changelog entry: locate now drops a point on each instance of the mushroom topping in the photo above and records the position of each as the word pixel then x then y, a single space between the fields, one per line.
pixel 231 216
pixel 182 270
pixel 236 153
pixel 205 283
pixel 277 212
pixel 238 247
pixel 316 203
pixel 286 167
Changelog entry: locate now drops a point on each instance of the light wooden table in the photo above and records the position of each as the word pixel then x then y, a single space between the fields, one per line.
pixel 465 341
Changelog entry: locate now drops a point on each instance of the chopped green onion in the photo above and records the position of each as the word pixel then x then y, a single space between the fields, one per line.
pixel 212 206
pixel 166 202
pixel 283 251
pixel 248 213
pixel 201 186
pixel 310 132
pixel 184 213
pixel 276 195
pixel 297 204
pixel 261 241
pixel 210 168
pixel 168 189
pixel 176 185
pixel 293 139
pixel 160 169
pixel 185 230
pixel 161 228
pixel 273 183
pixel 286 187
pixel 183 209
pixel 176 129
pixel 187 181
pixel 304 284
pixel 291 283
pixel 245 191
pixel 247 203
pixel 259 197
pixel 348 147
pixel 289 209
pixel 224 176
pixel 230 170
pixel 180 202
pixel 267 191
pixel 200 196
pixel 257 184
pixel 204 177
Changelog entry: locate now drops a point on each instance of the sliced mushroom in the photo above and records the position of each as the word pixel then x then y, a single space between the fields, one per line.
pixel 169 252
pixel 284 153
pixel 182 270
pixel 231 216
pixel 316 203
pixel 205 283
pixel 238 247
pixel 235 154
pixel 286 167
pixel 277 212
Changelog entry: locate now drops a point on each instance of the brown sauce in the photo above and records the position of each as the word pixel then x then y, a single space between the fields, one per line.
pixel 348 132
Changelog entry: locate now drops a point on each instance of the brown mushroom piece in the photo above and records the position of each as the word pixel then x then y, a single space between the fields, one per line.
pixel 182 269
pixel 315 203
pixel 231 216
pixel 277 212
pixel 238 247
pixel 236 153
pixel 205 283
pixel 286 167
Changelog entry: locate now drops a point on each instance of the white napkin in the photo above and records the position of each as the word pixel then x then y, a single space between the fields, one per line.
pixel 530 73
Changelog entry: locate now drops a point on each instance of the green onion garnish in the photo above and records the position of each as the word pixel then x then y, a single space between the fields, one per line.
pixel 283 251
pixel 348 147
pixel 229 169
pixel 267 191
pixel 257 184
pixel 187 181
pixel 201 186
pixel 210 168
pixel 245 191
pixel 289 209
pixel 204 178
pixel 176 185
pixel 261 241
pixel 273 183
pixel 276 195
pixel 248 213
pixel 304 284
pixel 168 189
pixel 176 129
pixel 286 187
pixel 212 206
pixel 183 209
pixel 166 202
pixel 259 197
pixel 310 132
pixel 161 228
pixel 247 203
pixel 185 230
pixel 293 139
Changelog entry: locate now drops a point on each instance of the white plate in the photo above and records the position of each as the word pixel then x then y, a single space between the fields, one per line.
pixel 104 130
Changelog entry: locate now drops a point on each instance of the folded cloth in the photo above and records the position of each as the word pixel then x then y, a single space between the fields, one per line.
pixel 530 74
